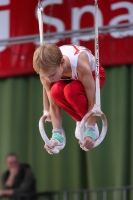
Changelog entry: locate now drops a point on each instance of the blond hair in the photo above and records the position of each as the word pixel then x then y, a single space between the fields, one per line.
pixel 46 57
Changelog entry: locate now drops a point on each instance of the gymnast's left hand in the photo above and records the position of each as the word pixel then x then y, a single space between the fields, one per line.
pixel 88 143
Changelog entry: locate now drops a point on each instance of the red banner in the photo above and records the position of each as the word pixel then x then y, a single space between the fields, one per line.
pixel 19 18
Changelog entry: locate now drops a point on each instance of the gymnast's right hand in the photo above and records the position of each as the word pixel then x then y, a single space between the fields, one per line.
pixel 53 144
pixel 56 140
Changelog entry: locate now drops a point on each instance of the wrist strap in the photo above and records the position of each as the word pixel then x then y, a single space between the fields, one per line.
pixel 90 134
pixel 57 135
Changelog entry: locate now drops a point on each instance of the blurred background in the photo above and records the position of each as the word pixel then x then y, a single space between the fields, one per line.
pixel 21 106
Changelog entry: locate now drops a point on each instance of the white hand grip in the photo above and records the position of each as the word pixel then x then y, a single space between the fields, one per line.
pixel 46 113
pixel 104 127
pixel 46 139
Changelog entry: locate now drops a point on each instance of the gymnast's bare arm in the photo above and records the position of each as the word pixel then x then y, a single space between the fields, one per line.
pixel 55 110
pixel 85 76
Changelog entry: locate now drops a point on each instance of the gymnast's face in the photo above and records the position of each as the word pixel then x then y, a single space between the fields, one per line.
pixel 53 75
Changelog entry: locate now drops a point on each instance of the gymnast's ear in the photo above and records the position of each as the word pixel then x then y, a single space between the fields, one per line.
pixel 62 61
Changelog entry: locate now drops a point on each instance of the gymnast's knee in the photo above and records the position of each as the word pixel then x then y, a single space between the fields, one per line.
pixel 57 90
pixel 73 89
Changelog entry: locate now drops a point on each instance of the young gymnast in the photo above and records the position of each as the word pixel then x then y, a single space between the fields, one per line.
pixel 67 73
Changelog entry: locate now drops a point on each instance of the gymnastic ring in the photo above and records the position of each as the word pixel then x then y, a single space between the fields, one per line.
pixel 46 139
pixel 104 127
